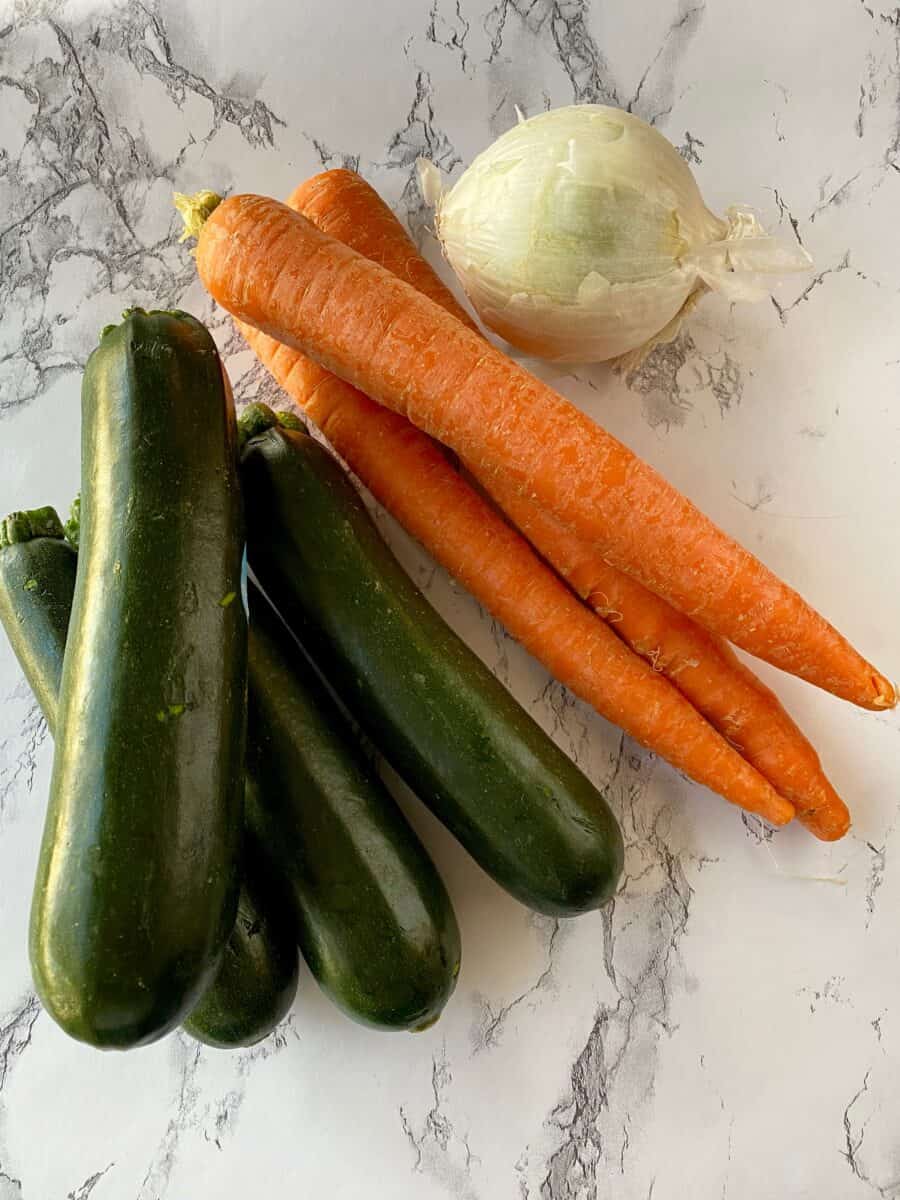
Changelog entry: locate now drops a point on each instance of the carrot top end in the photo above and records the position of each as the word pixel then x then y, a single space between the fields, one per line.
pixel 195 210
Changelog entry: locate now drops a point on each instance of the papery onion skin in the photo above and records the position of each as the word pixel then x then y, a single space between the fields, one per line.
pixel 573 234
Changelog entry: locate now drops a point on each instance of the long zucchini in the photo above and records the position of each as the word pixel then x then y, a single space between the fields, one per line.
pixel 136 892
pixel 374 920
pixel 515 801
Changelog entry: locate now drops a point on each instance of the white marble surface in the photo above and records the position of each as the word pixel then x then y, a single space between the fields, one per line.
pixel 730 1026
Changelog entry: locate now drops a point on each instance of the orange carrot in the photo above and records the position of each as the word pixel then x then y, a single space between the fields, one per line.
pixel 701 665
pixel 271 268
pixel 341 204
pixel 411 477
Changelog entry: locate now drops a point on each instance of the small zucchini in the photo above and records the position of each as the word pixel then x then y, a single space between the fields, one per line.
pixel 521 808
pixel 136 887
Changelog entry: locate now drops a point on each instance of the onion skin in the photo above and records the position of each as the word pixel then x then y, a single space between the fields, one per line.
pixel 581 235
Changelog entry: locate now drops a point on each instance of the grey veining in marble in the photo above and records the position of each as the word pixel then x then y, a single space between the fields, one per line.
pixel 728 1028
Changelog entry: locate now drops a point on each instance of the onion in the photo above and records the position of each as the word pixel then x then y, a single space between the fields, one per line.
pixel 580 235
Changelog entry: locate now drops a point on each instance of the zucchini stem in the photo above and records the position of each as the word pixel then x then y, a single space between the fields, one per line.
pixel 72 527
pixel 255 420
pixel 258 417
pixel 27 525
pixel 290 420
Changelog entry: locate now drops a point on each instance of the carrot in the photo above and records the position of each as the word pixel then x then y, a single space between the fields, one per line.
pixel 341 204
pixel 411 477
pixel 701 665
pixel 271 268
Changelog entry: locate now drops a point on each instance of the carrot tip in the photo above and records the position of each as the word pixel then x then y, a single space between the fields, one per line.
pixel 828 823
pixel 783 815
pixel 833 834
pixel 885 692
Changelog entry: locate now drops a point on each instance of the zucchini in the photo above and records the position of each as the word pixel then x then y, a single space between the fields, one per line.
pixel 257 978
pixel 136 890
pixel 521 808
pixel 256 982
pixel 37 582
pixel 373 917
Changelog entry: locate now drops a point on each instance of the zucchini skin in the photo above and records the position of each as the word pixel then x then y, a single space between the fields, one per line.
pixel 135 894
pixel 256 982
pixel 374 921
pixel 37 583
pixel 257 977
pixel 521 808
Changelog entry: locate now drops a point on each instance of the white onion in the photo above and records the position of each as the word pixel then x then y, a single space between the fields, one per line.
pixel 580 235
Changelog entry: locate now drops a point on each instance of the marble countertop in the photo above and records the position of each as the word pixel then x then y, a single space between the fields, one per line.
pixel 729 1027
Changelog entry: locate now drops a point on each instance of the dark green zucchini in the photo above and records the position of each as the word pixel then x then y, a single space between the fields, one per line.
pixel 257 978
pixel 136 890
pixel 256 982
pixel 374 920
pixel 488 772
pixel 37 582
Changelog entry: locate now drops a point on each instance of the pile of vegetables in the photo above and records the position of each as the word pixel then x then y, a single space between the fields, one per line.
pixel 635 594
pixel 211 810
pixel 210 807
